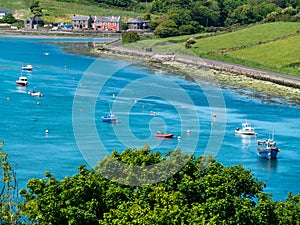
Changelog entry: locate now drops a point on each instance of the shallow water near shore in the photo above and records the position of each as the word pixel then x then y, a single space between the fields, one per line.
pixel 133 92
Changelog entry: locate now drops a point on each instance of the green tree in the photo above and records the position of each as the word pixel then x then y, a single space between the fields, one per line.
pixel 8 18
pixel 129 37
pixel 206 14
pixel 203 191
pixel 167 28
pixel 74 200
pixel 288 212
pixel 180 16
pixel 35 8
pixel 9 213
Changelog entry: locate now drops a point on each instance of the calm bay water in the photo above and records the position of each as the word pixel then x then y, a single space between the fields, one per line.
pixel 132 92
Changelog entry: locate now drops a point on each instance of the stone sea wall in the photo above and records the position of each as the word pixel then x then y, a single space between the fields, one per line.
pixel 266 85
pixel 282 79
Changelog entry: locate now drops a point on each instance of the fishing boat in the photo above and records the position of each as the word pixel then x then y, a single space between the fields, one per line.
pixel 109 118
pixel 246 129
pixel 164 135
pixel 27 67
pixel 22 81
pixel 267 149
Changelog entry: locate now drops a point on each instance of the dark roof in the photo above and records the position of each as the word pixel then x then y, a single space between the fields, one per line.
pixel 112 19
pixel 137 20
pixel 82 18
pixel 6 11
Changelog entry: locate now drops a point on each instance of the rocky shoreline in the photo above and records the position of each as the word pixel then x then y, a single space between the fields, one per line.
pixel 265 84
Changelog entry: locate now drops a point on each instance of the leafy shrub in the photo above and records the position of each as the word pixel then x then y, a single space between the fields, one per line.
pixel 129 37
pixel 189 42
pixel 168 28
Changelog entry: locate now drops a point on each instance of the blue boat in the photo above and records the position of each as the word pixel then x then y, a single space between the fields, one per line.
pixel 267 149
pixel 109 118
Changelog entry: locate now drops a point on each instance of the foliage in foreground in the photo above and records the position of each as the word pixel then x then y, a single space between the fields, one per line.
pixel 199 193
pixel 8 191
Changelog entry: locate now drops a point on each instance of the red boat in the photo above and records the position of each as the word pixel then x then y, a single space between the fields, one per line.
pixel 162 135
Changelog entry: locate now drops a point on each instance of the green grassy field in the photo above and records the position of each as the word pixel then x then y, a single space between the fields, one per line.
pixel 12 4
pixel 253 35
pixel 271 46
pixel 282 53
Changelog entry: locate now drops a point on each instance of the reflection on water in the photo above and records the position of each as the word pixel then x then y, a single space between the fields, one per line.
pixel 267 164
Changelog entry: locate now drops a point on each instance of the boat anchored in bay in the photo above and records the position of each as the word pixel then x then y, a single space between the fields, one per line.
pixel 164 135
pixel 246 129
pixel 109 118
pixel 27 67
pixel 35 93
pixel 22 81
pixel 267 148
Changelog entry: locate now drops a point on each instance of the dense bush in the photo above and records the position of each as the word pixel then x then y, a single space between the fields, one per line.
pixel 213 195
pixel 8 18
pixel 167 28
pixel 129 37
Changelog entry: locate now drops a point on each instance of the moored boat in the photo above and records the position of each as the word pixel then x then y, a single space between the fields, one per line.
pixel 164 135
pixel 109 118
pixel 22 81
pixel 35 93
pixel 246 129
pixel 267 149
pixel 27 67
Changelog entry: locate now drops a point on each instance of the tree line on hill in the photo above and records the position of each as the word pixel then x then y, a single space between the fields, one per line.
pixel 202 192
pixel 181 17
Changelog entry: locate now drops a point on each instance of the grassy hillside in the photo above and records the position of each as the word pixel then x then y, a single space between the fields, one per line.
pixel 271 46
pixel 281 53
pixel 63 11
pixel 244 38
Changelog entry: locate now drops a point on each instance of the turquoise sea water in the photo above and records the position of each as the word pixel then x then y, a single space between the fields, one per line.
pixel 78 90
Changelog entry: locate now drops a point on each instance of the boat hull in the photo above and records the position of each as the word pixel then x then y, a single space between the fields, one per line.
pixel 35 93
pixel 164 135
pixel 241 132
pixel 27 67
pixel 272 154
pixel 109 120
pixel 23 84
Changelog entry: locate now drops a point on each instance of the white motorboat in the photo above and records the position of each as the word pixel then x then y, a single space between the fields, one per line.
pixel 109 118
pixel 35 93
pixel 22 81
pixel 27 67
pixel 246 129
